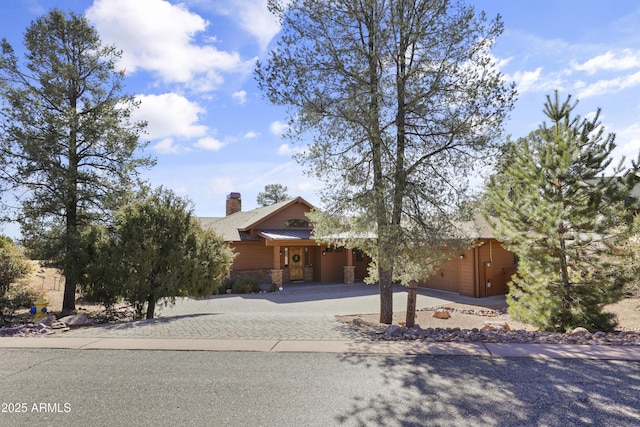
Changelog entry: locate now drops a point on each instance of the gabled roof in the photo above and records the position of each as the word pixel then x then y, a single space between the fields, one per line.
pixel 237 226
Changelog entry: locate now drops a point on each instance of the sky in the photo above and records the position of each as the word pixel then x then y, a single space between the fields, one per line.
pixel 190 63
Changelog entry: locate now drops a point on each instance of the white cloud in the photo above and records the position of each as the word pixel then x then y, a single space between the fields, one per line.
pixel 628 143
pixel 166 146
pixel 209 143
pixel 287 150
pixel 251 135
pixel 240 97
pixel 170 115
pixel 525 80
pixel 278 128
pixel 501 62
pixel 158 36
pixel 252 16
pixel 603 87
pixel 610 61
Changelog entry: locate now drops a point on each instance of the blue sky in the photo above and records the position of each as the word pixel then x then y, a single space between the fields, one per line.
pixel 212 132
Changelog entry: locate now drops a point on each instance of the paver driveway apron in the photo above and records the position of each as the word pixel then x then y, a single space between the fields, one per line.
pixel 299 312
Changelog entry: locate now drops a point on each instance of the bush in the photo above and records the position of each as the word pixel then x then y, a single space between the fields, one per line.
pixel 245 285
pixel 18 296
pixel 22 296
pixel 14 267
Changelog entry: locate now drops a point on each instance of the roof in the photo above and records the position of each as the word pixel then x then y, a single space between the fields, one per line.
pixel 236 227
pixel 286 234
pixel 476 228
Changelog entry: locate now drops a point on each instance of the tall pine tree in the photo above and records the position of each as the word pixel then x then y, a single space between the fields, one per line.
pixel 552 205
pixel 69 150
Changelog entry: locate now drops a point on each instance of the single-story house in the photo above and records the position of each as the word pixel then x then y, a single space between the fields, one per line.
pixel 481 271
pixel 274 244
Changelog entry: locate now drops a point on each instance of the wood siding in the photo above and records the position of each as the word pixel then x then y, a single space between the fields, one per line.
pixel 252 256
pixel 278 219
pixel 468 273
pixel 332 266
pixel 484 270
pixel 447 277
pixel 495 276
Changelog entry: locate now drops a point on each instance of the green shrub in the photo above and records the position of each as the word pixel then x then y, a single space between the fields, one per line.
pixel 245 285
pixel 22 296
pixel 224 286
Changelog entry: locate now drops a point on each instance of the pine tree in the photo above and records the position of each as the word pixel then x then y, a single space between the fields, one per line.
pixel 552 205
pixel 399 102
pixel 272 194
pixel 67 141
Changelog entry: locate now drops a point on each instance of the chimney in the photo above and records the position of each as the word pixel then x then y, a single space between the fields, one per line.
pixel 234 203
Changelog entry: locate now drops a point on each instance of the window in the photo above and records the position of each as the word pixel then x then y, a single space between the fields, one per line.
pixel 296 223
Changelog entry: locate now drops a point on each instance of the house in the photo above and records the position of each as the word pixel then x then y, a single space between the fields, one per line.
pixel 275 245
pixel 480 271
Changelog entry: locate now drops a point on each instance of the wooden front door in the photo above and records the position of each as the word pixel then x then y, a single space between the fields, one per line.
pixel 296 265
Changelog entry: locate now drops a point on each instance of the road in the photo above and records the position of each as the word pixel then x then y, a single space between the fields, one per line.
pixel 172 388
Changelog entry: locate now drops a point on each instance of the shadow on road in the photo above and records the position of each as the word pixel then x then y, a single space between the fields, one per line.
pixel 439 391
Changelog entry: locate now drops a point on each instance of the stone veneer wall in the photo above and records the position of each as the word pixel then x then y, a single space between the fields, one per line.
pixel 308 274
pixel 276 277
pixel 349 274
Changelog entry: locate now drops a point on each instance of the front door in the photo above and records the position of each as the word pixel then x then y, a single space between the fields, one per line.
pixel 296 266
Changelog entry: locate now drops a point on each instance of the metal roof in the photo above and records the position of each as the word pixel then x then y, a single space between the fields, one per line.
pixel 286 234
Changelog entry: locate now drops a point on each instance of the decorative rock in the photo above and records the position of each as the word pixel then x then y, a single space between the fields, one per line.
pixel 76 320
pixel 47 321
pixel 58 325
pixel 441 313
pixel 579 330
pixel 394 330
pixel 496 325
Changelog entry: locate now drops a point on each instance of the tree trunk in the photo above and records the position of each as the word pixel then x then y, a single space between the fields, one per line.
pixel 69 298
pixel 151 306
pixel 386 296
pixel 72 264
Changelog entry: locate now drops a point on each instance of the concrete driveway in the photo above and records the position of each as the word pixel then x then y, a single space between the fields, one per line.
pixel 299 312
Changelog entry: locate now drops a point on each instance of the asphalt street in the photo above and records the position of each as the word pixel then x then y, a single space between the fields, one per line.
pixel 42 387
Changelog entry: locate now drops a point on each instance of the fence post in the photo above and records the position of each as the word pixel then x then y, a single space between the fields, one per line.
pixel 411 304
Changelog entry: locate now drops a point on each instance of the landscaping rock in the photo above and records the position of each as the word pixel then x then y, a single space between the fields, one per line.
pixel 579 330
pixel 496 325
pixel 441 314
pixel 76 320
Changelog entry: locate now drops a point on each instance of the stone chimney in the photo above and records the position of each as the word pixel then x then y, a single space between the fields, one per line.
pixel 234 203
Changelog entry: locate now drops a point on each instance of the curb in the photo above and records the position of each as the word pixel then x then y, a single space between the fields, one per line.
pixel 549 351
